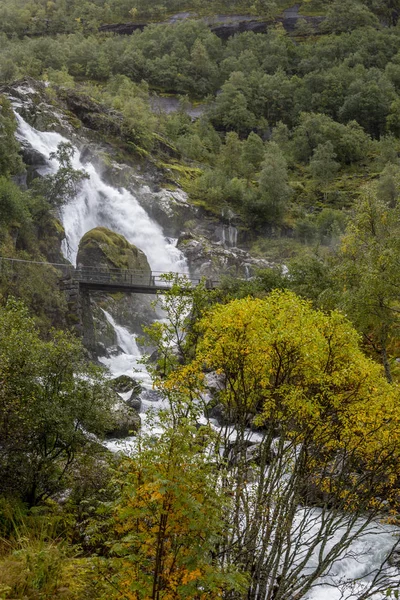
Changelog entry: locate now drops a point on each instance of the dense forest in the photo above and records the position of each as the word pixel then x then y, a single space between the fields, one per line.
pixel 296 137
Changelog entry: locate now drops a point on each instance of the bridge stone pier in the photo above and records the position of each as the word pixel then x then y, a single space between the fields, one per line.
pixel 79 311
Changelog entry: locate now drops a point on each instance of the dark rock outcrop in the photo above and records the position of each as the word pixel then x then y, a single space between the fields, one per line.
pixel 124 384
pixel 93 114
pixel 122 28
pixel 135 402
pixel 226 26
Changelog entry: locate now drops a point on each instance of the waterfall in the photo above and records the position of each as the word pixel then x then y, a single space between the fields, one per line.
pixel 99 204
pixel 229 233
pixel 128 362
pixel 126 341
pixel 232 236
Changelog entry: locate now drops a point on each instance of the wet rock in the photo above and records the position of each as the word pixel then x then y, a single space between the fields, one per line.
pixel 253 454
pixel 237 450
pixel 170 209
pixel 214 382
pixel 221 413
pixel 136 391
pixel 125 421
pixel 394 560
pixel 31 100
pixel 135 401
pixel 213 259
pixel 32 157
pixel 151 396
pixel 258 455
pixel 124 383
pixel 170 104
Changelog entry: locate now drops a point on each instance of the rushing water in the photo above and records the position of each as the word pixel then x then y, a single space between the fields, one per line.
pixel 127 360
pixel 99 204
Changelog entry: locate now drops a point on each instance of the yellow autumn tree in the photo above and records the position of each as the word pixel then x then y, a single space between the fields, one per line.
pixel 328 437
pixel 168 522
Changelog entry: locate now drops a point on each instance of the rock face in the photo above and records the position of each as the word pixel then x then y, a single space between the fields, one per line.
pixel 101 247
pixel 224 26
pixel 210 259
pixel 170 209
pixel 104 249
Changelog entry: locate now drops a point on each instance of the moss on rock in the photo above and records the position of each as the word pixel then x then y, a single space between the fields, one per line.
pixel 101 247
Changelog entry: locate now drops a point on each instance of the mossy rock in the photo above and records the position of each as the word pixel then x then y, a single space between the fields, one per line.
pixel 101 247
pixel 124 383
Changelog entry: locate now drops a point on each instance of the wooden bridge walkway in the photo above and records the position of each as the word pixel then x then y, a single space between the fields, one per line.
pixel 115 280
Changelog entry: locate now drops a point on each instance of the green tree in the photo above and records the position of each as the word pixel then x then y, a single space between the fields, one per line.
pixel 367 274
pixel 49 401
pixel 388 188
pixel 204 70
pixel 169 518
pixel 323 165
pixel 13 204
pixel 350 142
pixel 389 10
pixel 368 103
pixel 63 185
pixel 231 108
pixel 265 8
pixel 253 151
pixel 10 162
pixel 229 158
pixel 270 201
pixel 343 16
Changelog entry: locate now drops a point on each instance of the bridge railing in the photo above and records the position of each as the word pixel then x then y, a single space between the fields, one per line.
pixel 128 277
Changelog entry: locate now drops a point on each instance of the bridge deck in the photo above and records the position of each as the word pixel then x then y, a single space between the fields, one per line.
pixel 118 280
pixel 139 282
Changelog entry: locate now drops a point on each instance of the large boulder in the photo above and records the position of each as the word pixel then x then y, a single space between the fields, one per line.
pixel 125 421
pixel 124 384
pixel 101 247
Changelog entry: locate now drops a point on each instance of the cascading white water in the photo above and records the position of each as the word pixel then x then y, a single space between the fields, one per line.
pixel 99 204
pixel 127 360
pixel 232 236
